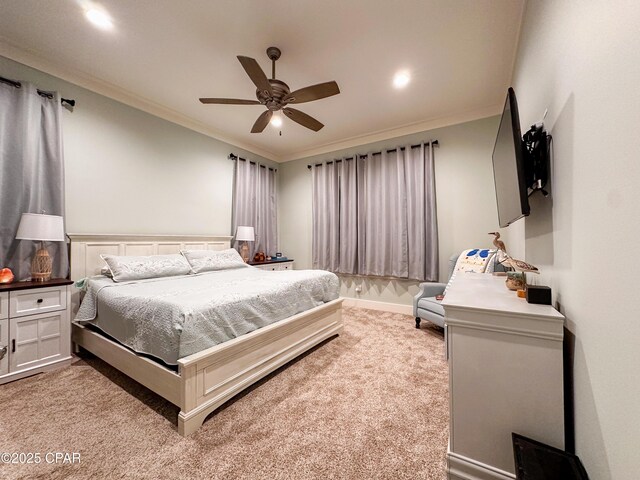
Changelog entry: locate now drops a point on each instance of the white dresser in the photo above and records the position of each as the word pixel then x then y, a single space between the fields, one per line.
pixel 274 266
pixel 505 375
pixel 35 333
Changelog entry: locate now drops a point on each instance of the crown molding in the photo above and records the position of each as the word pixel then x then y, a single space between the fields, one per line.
pixel 81 79
pixel 34 60
pixel 409 129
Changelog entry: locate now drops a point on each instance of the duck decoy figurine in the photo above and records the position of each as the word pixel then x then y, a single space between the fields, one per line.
pixel 503 256
pixel 521 266
pixel 499 244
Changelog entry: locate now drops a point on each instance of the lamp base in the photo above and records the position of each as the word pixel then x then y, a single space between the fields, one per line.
pixel 41 266
pixel 244 252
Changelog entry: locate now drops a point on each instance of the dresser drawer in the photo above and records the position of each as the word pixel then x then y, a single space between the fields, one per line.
pixel 4 305
pixel 41 300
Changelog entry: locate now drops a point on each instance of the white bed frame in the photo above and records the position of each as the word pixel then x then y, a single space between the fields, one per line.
pixel 207 379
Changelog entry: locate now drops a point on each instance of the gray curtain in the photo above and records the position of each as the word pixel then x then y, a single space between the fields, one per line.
pixel 385 196
pixel 349 237
pixel 31 173
pixel 376 215
pixel 422 234
pixel 335 242
pixel 325 236
pixel 255 205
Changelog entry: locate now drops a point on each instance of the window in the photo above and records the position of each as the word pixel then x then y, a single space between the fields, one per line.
pixel 375 214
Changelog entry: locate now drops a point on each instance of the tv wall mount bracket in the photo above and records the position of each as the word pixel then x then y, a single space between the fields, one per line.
pixel 536 149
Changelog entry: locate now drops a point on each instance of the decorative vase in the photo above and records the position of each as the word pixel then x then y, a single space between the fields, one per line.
pixel 515 281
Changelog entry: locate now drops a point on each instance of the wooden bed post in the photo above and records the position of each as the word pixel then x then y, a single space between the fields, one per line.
pixel 186 424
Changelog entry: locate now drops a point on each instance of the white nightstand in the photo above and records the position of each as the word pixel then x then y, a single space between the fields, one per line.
pixel 35 327
pixel 273 265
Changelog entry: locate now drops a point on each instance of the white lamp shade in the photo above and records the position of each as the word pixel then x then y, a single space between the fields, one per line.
pixel 46 228
pixel 245 234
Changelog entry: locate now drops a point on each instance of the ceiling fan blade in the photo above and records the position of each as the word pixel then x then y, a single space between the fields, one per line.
pixel 314 92
pixel 256 74
pixel 303 119
pixel 229 101
pixel 262 122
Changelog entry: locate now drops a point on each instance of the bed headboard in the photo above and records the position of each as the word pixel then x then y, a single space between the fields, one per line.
pixel 86 248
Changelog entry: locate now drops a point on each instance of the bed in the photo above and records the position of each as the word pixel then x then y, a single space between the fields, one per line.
pixel 201 373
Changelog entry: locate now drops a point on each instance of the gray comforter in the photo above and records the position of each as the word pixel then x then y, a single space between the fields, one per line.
pixel 173 317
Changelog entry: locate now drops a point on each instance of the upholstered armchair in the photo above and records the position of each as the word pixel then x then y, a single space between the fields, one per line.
pixel 425 305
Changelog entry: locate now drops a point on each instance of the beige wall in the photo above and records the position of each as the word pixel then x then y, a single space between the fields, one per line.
pixel 129 172
pixel 582 63
pixel 465 196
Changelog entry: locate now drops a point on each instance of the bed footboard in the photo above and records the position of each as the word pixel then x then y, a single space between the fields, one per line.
pixel 207 379
pixel 213 376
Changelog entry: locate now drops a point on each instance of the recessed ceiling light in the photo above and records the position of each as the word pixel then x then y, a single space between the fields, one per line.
pixel 276 121
pixel 401 79
pixel 99 18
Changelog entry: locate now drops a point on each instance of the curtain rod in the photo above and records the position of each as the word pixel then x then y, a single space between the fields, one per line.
pixel 42 93
pixel 233 156
pixel 433 142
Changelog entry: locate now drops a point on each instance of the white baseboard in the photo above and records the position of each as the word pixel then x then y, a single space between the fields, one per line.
pixel 460 467
pixel 375 305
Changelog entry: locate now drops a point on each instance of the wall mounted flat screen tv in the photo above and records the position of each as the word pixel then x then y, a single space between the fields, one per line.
pixel 508 166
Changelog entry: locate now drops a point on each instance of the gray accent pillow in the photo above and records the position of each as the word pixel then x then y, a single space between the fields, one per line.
pixel 124 269
pixel 212 260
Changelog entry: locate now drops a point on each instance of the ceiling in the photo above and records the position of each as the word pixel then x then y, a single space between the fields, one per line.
pixel 162 55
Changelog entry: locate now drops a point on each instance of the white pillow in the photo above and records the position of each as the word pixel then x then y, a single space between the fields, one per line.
pixel 106 271
pixel 212 260
pixel 478 260
pixel 124 269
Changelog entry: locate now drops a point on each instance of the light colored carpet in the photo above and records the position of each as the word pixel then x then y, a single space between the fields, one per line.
pixel 371 403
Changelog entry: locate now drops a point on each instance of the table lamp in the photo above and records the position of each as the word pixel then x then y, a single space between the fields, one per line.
pixel 43 228
pixel 245 234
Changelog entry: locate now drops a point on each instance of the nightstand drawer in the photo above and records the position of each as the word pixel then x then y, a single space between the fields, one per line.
pixel 282 266
pixel 4 347
pixel 275 266
pixel 4 305
pixel 41 300
pixel 38 340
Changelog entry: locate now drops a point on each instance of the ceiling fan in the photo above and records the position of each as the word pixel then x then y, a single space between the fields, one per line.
pixel 275 94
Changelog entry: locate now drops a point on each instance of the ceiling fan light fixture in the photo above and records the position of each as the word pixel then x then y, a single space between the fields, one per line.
pixel 99 18
pixel 276 121
pixel 401 79
pixel 275 95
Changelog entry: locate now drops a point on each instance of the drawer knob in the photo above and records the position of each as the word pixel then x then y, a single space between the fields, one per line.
pixel 40 300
